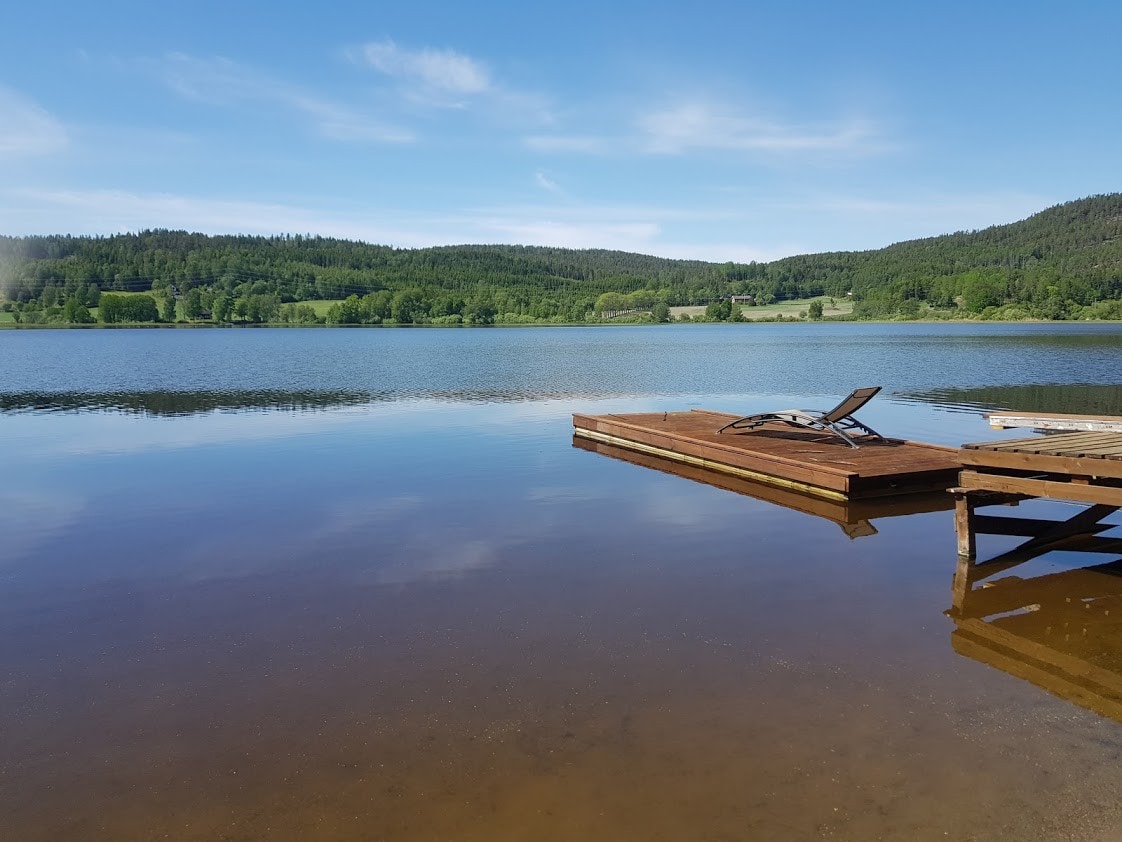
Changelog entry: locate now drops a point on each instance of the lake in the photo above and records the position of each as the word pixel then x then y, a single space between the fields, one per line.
pixel 358 584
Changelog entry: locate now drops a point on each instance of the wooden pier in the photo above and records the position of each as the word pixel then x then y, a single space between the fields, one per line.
pixel 779 455
pixel 1079 467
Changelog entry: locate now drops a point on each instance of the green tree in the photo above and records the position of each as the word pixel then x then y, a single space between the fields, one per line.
pixel 660 312
pixel 611 302
pixel 127 308
pixel 814 310
pixel 719 311
pixel 262 308
pixel 168 308
pixel 981 290
pixel 408 306
pixel 193 303
pixel 220 308
pixel 75 311
pixel 480 310
pixel 348 312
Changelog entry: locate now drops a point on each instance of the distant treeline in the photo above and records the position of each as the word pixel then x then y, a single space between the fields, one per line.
pixel 1063 263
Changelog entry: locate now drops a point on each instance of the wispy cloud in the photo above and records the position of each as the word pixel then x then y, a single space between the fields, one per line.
pixel 445 78
pixel 26 128
pixel 226 83
pixel 441 70
pixel 548 184
pixel 687 126
pixel 692 126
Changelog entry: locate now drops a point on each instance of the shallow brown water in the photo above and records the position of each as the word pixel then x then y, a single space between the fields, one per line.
pixel 681 704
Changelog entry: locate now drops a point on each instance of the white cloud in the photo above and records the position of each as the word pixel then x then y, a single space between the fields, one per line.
pixel 441 70
pixel 222 82
pixel 547 184
pixel 682 128
pixel 706 126
pixel 26 128
pixel 444 78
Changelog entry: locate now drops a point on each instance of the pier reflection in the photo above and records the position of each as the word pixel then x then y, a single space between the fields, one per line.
pixel 855 517
pixel 1060 631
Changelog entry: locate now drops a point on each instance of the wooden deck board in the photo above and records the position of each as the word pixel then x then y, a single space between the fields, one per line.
pixel 1071 454
pixel 1061 444
pixel 780 453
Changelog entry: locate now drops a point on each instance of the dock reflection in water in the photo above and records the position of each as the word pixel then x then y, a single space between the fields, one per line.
pixel 855 517
pixel 1061 631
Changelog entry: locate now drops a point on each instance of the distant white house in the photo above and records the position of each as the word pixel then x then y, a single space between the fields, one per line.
pixel 743 299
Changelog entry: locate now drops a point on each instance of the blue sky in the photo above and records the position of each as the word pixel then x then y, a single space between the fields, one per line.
pixel 713 130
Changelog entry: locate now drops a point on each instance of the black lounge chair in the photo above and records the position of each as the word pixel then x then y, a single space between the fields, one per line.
pixel 836 421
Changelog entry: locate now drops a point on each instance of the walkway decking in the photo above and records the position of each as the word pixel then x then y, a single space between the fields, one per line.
pixel 779 455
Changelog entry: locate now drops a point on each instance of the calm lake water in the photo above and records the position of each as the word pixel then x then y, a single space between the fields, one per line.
pixel 360 584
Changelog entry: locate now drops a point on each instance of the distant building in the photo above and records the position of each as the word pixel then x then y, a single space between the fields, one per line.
pixel 743 299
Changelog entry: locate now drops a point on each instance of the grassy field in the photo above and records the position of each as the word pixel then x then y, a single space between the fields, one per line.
pixel 320 305
pixel 787 309
pixel 7 318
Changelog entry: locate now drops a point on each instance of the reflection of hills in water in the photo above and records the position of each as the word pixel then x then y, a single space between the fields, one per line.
pixel 176 403
pixel 1062 632
pixel 173 403
pixel 853 516
pixel 1085 399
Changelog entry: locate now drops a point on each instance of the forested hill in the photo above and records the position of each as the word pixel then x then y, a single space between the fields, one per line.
pixel 1048 266
pixel 1065 262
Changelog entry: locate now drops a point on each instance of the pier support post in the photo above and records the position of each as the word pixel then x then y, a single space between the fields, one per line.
pixel 964 525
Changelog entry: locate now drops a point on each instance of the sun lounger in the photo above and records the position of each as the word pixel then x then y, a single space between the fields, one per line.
pixel 836 422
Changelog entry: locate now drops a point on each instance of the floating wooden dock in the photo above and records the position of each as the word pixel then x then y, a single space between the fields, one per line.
pixel 779 455
pixel 854 517
pixel 1082 467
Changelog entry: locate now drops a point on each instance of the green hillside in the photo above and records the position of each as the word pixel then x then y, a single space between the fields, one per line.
pixel 1062 263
